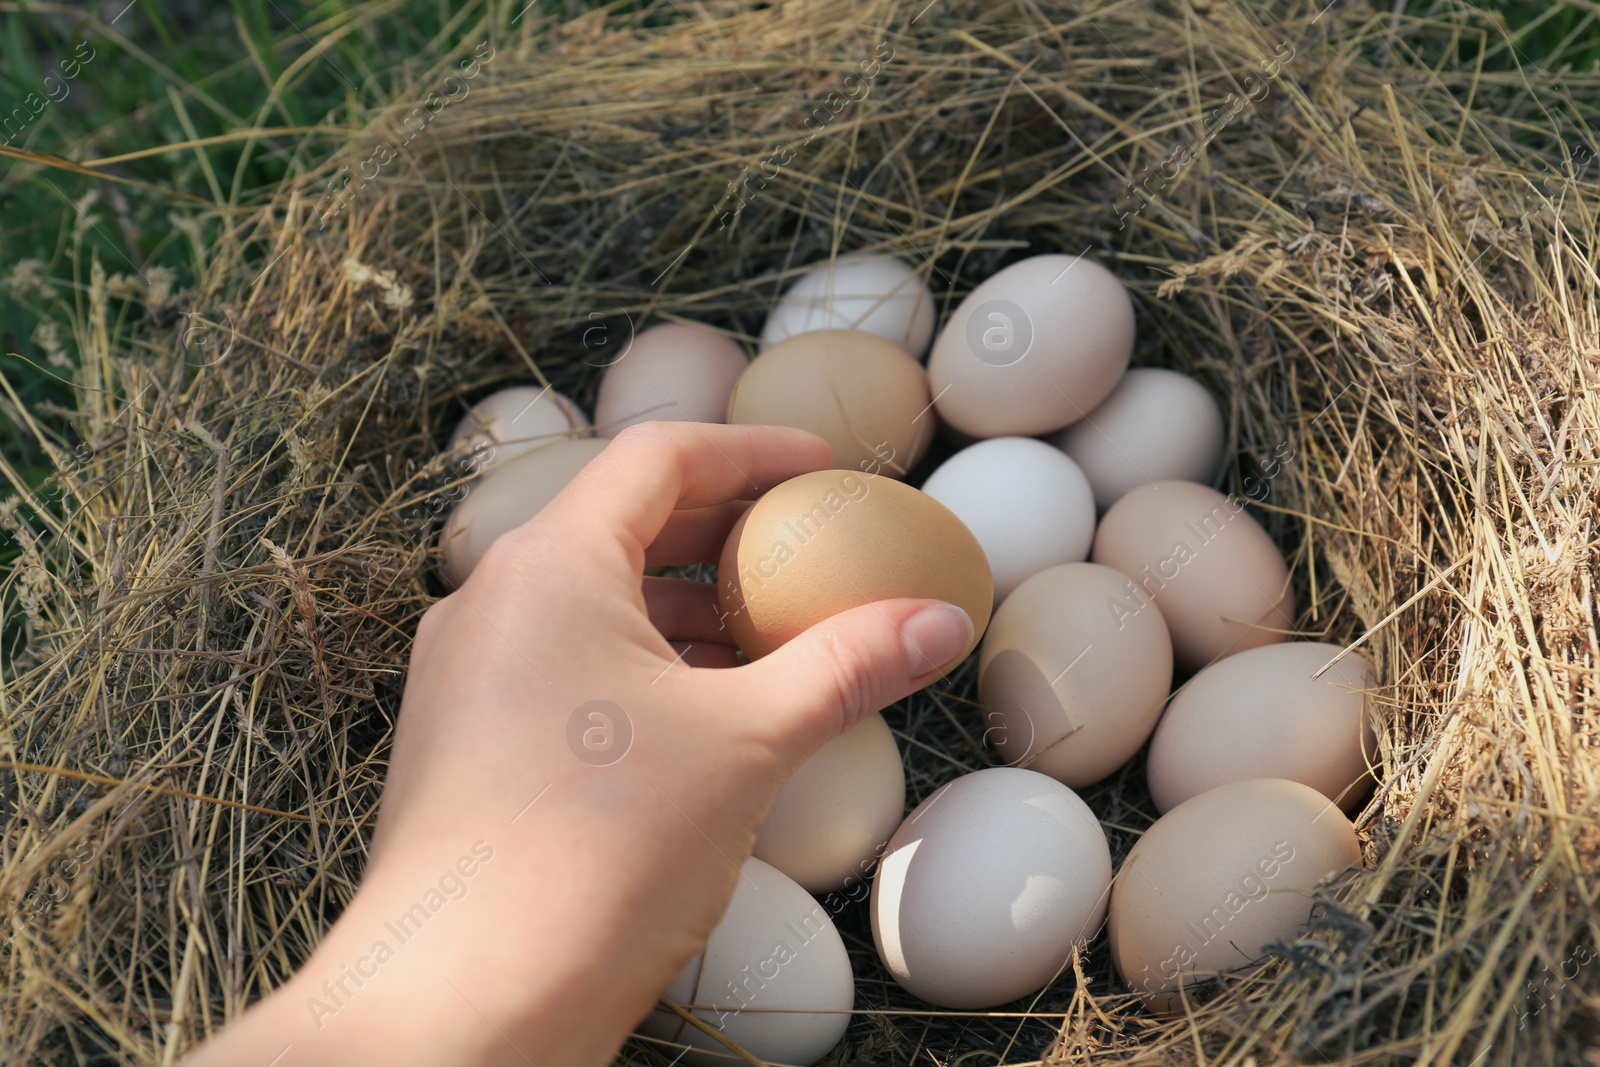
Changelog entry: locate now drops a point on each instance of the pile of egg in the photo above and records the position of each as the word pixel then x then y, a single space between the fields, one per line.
pixel 1077 527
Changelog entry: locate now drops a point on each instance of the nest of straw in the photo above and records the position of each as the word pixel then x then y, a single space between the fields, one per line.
pixel 1383 261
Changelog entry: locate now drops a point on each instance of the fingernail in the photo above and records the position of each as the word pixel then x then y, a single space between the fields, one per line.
pixel 935 636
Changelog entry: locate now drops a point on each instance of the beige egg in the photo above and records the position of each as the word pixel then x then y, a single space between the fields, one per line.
pixel 1068 687
pixel 1157 425
pixel 1218 878
pixel 1033 348
pixel 832 540
pixel 875 294
pixel 832 819
pixel 508 423
pixel 863 395
pixel 1261 714
pixel 674 372
pixel 506 496
pixel 1207 566
pixel 774 979
pixel 987 887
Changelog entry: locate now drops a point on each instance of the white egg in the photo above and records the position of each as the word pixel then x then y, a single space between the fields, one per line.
pixel 875 294
pixel 512 421
pixel 833 817
pixel 1155 426
pixel 774 979
pixel 1029 506
pixel 987 887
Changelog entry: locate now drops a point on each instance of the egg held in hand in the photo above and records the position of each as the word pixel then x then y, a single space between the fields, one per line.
pixel 831 540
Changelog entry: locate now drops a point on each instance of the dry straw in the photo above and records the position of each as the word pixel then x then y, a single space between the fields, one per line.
pixel 1384 259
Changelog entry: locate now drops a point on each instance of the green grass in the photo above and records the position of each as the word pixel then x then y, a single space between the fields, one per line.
pixel 172 71
pixel 1545 34
pixel 166 72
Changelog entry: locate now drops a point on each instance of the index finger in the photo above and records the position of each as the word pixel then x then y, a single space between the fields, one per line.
pixel 652 469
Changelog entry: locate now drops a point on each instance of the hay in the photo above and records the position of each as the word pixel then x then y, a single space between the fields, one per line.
pixel 1385 266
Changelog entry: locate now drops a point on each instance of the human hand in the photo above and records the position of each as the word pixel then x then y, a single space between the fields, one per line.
pixel 592 882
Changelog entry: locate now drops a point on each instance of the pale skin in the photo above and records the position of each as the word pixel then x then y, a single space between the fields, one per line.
pixel 603 880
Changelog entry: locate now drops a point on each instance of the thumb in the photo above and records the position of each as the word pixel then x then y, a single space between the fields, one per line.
pixel 857 662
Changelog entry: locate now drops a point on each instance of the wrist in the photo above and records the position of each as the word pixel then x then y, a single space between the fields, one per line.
pixel 397 982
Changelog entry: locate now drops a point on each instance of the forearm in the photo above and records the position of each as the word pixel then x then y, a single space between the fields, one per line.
pixel 399 984
pixel 545 937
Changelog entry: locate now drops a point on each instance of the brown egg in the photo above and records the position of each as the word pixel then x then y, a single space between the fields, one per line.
pixel 674 372
pixel 862 394
pixel 508 495
pixel 830 540
pixel 1260 714
pixel 1209 568
pixel 1218 878
pixel 1067 687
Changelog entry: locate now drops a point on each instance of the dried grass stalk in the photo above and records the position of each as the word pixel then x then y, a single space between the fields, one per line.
pixel 1384 263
